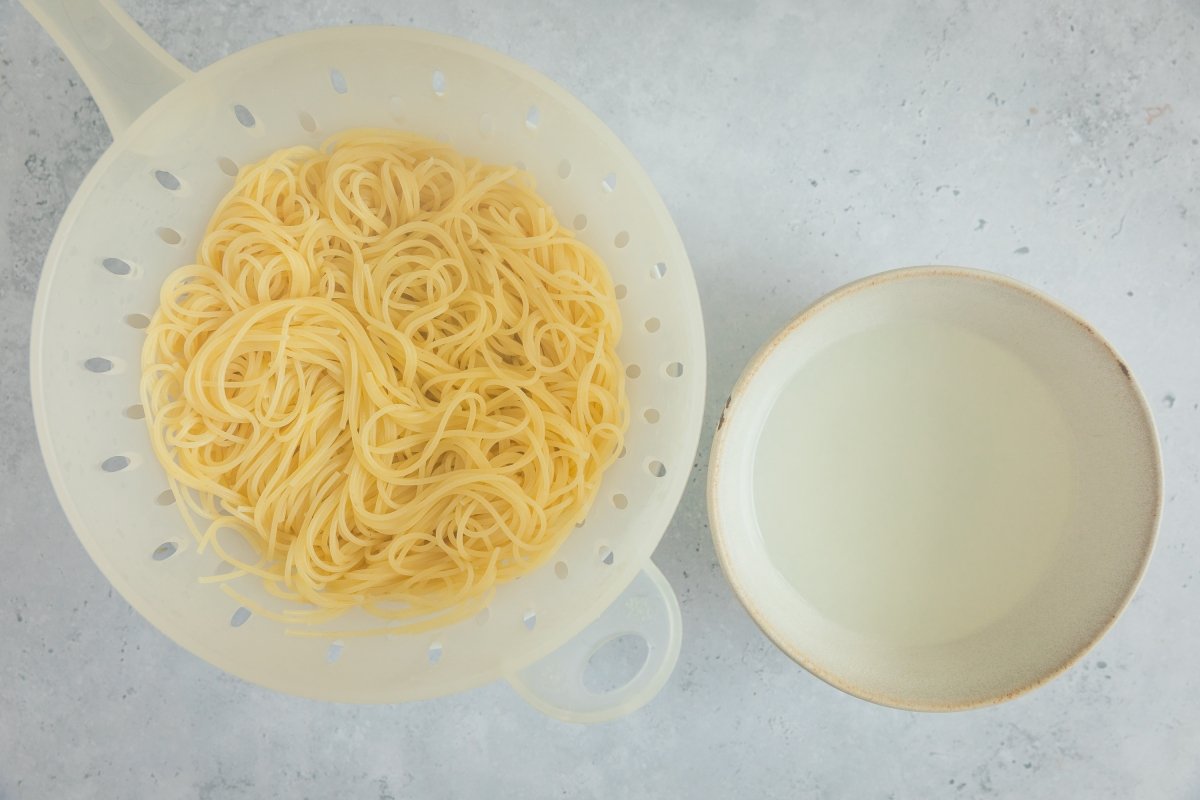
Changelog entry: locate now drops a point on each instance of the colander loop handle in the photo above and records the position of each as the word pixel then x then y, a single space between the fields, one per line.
pixel 647 609
pixel 124 68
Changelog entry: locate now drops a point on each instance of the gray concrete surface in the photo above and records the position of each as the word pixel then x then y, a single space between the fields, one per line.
pixel 799 146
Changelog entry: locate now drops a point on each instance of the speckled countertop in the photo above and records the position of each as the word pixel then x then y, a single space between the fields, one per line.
pixel 799 145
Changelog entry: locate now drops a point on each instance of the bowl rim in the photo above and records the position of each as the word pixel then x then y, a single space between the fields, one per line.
pixel 724 539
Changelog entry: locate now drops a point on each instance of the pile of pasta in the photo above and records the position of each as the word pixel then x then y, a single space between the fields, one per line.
pixel 392 372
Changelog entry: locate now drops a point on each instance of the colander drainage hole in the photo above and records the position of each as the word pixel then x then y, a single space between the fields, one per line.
pixel 620 290
pixel 605 555
pixel 633 370
pixel 335 651
pixel 580 221
pixel 167 180
pixel 228 166
pixel 164 551
pixel 533 118
pixel 338 81
pixel 620 501
pixel 609 184
pixel 165 498
pixel 435 652
pixel 674 369
pixel 651 415
pixel 653 324
pixel 239 617
pixel 306 121
pixel 135 411
pixel 117 266
pixel 438 82
pixel 621 239
pixel 98 365
pixel 561 570
pixel 657 469
pixel 114 463
pixel 243 116
pixel 659 270
pixel 564 169
pixel 530 619
pixel 137 321
pixel 169 235
pixel 483 616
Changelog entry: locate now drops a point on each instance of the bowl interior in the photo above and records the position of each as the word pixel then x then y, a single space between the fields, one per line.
pixel 142 211
pixel 936 488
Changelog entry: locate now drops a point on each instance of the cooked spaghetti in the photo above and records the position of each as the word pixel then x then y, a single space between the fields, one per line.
pixel 392 372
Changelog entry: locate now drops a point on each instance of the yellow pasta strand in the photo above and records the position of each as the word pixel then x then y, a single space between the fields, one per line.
pixel 392 372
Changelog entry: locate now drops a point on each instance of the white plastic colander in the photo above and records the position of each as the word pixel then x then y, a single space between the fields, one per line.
pixel 178 138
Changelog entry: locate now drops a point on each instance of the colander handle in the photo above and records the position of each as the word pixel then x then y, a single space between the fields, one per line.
pixel 124 68
pixel 646 609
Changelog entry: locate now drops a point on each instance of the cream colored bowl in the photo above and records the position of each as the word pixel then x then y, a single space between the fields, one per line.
pixel 936 488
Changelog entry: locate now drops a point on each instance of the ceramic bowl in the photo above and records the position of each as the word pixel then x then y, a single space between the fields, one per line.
pixel 936 488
